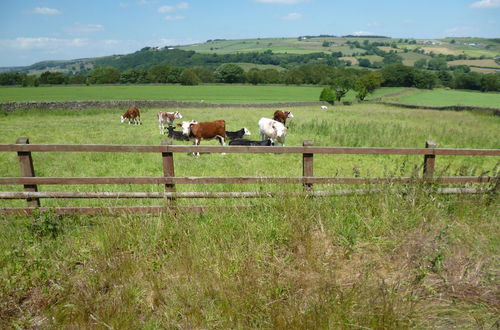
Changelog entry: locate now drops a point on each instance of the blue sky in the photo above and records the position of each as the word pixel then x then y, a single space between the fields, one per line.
pixel 32 31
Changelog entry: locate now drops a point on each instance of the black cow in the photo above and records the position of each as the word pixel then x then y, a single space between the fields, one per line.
pixel 244 142
pixel 237 134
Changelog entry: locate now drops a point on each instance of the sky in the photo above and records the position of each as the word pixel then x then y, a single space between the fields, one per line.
pixel 39 30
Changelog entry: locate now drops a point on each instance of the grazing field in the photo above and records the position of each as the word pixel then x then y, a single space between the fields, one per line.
pixel 206 93
pixel 277 45
pixel 405 259
pixel 444 97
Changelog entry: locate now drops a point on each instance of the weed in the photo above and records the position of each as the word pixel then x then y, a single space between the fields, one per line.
pixel 46 224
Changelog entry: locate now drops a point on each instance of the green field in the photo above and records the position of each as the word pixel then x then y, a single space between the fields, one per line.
pixel 277 45
pixel 445 97
pixel 367 125
pixel 201 93
pixel 238 94
pixel 409 258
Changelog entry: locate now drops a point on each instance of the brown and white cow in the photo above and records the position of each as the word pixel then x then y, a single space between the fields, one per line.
pixel 133 115
pixel 168 117
pixel 282 116
pixel 204 131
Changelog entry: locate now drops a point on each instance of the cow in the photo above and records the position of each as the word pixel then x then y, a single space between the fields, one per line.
pixel 133 115
pixel 324 107
pixel 237 134
pixel 282 116
pixel 204 131
pixel 175 135
pixel 272 129
pixel 244 142
pixel 168 117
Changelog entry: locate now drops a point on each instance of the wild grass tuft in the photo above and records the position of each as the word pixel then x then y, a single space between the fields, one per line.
pixel 388 260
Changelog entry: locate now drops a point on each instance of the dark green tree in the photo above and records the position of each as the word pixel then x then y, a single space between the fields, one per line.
pixel 52 78
pixel 164 74
pixel 364 62
pixel 490 82
pixel 229 73
pixel 437 63
pixel 189 78
pixel 392 58
pixel 106 75
pixel 255 76
pixel 367 83
pixel 341 82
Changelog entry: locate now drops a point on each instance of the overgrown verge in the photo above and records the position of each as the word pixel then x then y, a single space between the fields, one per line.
pixel 390 260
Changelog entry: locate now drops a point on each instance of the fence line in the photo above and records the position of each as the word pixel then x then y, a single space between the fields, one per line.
pixel 31 194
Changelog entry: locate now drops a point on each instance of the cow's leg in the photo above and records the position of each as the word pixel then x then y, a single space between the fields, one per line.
pixel 196 143
pixel 222 142
pixel 162 129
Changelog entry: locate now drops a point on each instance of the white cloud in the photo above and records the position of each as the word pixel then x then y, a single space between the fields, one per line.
pixel 46 11
pixel 79 28
pixel 42 43
pixel 292 16
pixel 486 4
pixel 362 33
pixel 169 9
pixel 281 2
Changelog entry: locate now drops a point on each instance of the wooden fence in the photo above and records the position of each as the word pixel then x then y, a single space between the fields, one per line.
pixel 32 196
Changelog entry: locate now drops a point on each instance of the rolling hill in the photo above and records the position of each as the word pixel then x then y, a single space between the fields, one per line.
pixel 230 51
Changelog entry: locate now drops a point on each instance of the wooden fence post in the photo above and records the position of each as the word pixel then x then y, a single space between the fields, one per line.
pixel 27 169
pixel 307 165
pixel 429 161
pixel 168 170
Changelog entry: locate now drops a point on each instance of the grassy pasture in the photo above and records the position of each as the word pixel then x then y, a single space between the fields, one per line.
pixel 413 259
pixel 207 93
pixel 277 45
pixel 444 97
pixel 356 126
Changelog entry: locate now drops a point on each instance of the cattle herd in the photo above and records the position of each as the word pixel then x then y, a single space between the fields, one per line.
pixel 271 130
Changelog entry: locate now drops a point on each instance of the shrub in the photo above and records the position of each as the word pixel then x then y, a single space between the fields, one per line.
pixel 327 95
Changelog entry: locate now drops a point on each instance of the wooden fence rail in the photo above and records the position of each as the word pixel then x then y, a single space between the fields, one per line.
pixel 31 194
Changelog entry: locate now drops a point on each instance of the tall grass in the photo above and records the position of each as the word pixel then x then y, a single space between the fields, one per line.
pixel 414 259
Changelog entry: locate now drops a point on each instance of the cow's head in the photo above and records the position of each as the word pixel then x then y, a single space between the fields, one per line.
pixel 288 114
pixel 186 126
pixel 177 115
pixel 122 119
pixel 247 132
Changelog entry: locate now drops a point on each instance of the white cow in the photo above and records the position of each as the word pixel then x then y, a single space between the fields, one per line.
pixel 168 117
pixel 273 130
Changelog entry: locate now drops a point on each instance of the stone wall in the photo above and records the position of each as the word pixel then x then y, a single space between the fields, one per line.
pixel 495 111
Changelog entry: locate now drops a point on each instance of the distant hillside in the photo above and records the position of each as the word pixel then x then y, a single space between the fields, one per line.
pixel 282 52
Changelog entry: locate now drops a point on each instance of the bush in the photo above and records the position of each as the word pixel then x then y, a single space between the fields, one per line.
pixel 327 95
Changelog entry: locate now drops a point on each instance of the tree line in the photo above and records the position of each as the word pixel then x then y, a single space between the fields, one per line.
pixel 393 75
